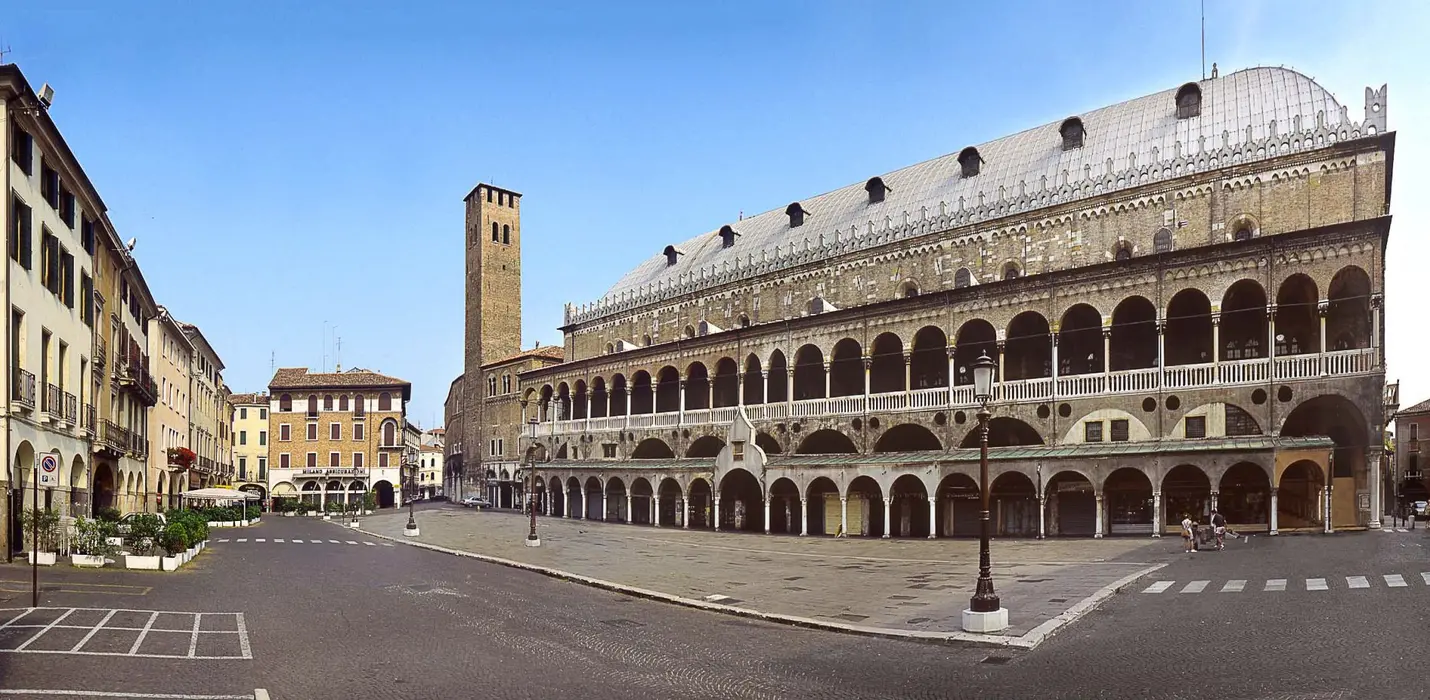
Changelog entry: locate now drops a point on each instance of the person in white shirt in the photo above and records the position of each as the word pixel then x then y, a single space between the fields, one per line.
pixel 1188 538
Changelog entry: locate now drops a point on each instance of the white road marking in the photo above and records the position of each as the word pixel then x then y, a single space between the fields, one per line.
pixel 260 540
pixel 243 539
pixel 92 632
pixel 335 541
pixel 47 628
pixel 715 598
pixel 243 646
pixel 1234 586
pixel 1426 577
pixel 105 694
pixel 369 544
pixel 1275 584
pixel 351 542
pixel 26 611
pixel 297 541
pixel 1357 582
pixel 1401 529
pixel 387 544
pixel 1195 587
pixel 194 638
pixel 279 540
pixel 143 633
pixel 1316 584
pixel 224 540
pixel 1395 580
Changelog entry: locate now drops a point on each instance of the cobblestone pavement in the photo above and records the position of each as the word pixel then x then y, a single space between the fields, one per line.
pixel 354 622
pixel 919 585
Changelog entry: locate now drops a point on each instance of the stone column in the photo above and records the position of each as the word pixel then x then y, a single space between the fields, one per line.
pixel 655 510
pixel 868 364
pixel 1001 344
pixel 1107 352
pixel 588 407
pixel 717 513
pixel 1053 345
pixel 739 387
pixel 1042 516
pixel 1156 514
pixel 1323 309
pixel 628 404
pixel 1329 528
pixel 888 515
pixel 767 516
pixel 630 514
pixel 952 362
pixel 827 365
pixel 1161 352
pixel 1271 337
pixel 933 517
pixel 843 516
pixel 681 408
pixel 908 372
pixel 803 517
pixel 1273 511
pixel 1097 534
pixel 1372 459
pixel 1377 307
pixel 1216 343
pixel 568 505
pixel 685 510
pixel 602 517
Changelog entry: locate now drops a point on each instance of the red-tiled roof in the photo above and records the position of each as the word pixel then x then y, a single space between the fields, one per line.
pixel 237 399
pixel 548 352
pixel 1422 407
pixel 301 378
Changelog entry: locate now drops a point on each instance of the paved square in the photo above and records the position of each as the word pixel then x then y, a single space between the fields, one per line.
pixel 156 634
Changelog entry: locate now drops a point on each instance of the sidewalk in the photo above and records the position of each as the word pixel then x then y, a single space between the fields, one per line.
pixel 912 586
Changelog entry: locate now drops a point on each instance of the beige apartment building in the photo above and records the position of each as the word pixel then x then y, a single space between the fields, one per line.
pixel 208 413
pixel 169 352
pixel 250 442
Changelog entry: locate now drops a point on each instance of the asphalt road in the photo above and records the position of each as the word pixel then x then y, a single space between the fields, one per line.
pixel 334 620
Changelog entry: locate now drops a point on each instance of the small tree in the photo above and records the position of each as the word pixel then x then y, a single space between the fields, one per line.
pixel 145 531
pixel 44 525
pixel 369 500
pixel 91 538
pixel 175 538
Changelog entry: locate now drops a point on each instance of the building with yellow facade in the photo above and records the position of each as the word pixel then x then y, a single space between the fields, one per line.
pixel 250 442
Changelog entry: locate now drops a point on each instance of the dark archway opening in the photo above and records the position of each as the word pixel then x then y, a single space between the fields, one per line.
pixel 595 499
pixel 768 443
pixel 1244 496
pixel 1298 328
pixel 1134 335
pixel 1243 322
pixel 697 387
pixel 865 508
pixel 908 437
pixel 652 448
pixel 642 394
pixel 1186 491
pixel 754 382
pixel 618 395
pixel 667 390
pixel 727 383
pixel 385 496
pixel 1029 348
pixel 706 446
pixel 1128 495
pixel 823 507
pixel 785 508
pixel 808 373
pixel 928 362
pixel 846 369
pixel 1348 313
pixel 577 507
pixel 1072 506
pixel 1080 341
pixel 701 505
pixel 975 338
pixel 600 400
pixel 909 511
pixel 777 388
pixel 616 510
pixel 1004 432
pixel 958 506
pixel 826 442
pixel 1188 338
pixel 886 368
pixel 742 503
pixel 1013 505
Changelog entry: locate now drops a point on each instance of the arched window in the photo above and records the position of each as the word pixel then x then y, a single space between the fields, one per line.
pixel 505 233
pixel 1072 133
pixel 359 407
pixel 727 236
pixel 327 402
pixel 909 290
pixel 492 385
pixel 610 348
pixel 1011 271
pixel 384 401
pixel 962 278
pixel 1189 101
pixel 312 404
pixel 389 434
pixel 690 331
pixel 343 402
pixel 1243 233
pixel 506 384
pixel 744 321
pixel 796 215
pixel 495 238
pixel 285 402
pixel 1162 241
pixel 969 161
pixel 1123 252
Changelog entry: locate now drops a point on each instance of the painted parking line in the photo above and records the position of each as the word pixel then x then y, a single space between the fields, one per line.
pixel 350 542
pixel 1234 586
pixel 334 541
pixel 1357 582
pixel 1395 580
pixel 278 540
pixel 105 628
pixel 371 544
pixel 1195 587
pixel 110 694
pixel 1275 584
pixel 1158 587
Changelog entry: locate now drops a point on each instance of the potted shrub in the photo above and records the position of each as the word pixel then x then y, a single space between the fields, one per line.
pixel 369 502
pixel 254 513
pixel 175 540
pixel 90 545
pixel 334 507
pixel 144 533
pixel 42 531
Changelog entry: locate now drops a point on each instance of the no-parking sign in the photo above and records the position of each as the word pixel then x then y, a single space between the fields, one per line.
pixel 49 466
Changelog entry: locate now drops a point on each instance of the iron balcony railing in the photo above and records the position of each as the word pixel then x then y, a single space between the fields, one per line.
pixel 100 357
pixel 25 388
pixel 113 437
pixel 87 420
pixel 71 409
pixel 52 406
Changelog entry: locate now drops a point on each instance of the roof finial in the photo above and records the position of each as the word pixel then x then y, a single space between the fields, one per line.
pixel 1213 70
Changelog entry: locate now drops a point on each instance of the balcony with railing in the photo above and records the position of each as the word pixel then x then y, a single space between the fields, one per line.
pixel 113 439
pixel 87 420
pixel 1131 381
pixel 101 358
pixel 25 389
pixel 71 404
pixel 52 406
pixel 138 446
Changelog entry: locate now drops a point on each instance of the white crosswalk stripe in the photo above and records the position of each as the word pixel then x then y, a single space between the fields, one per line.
pixel 1395 580
pixel 1357 582
pixel 1279 585
pixel 1316 584
pixel 1195 587
pixel 260 540
pixel 350 542
pixel 278 540
pixel 1158 587
pixel 1275 584
pixel 297 541
pixel 243 539
pixel 1234 586
pixel 334 541
pixel 370 544
pixel 1426 577
pixel 224 540
pixel 387 544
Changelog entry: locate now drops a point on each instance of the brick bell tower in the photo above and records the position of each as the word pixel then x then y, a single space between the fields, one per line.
pixel 493 303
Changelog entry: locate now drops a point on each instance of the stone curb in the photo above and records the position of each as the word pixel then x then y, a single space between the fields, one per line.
pixel 1028 641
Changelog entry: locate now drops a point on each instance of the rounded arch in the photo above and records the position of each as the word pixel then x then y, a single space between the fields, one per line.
pixel 642 393
pixel 1186 490
pixel 1244 495
pixel 742 501
pixel 962 278
pixel 1028 350
pixel 1072 504
pixel 928 359
pixel 102 496
pixel 1298 329
pixel 1338 418
pixel 777 388
pixel 652 448
pixel 808 373
pixel 1348 310
pixel 1127 493
pixel 865 507
pixel 846 369
pixel 1189 101
pixel 826 442
pixel 1071 132
pixel 617 395
pixel 822 506
pixel 907 437
pixel 1012 270
pixel 1004 431
pixel 1188 337
pixel 1080 347
pixel 705 446
pixel 725 390
pixel 386 495
pixel 1300 489
pixel 642 502
pixel 557 489
pixel 580 406
pixel 575 498
pixel 615 493
pixel 908 507
pixel 785 508
pixel 697 386
pixel 1243 321
pixel 886 365
pixel 700 503
pixel 767 443
pixel 909 289
pixel 754 383
pixel 958 505
pixel 667 390
pixel 1134 334
pixel 1014 499
pixel 974 338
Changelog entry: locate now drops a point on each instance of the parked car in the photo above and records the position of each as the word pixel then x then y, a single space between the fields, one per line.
pixel 1420 508
pixel 476 502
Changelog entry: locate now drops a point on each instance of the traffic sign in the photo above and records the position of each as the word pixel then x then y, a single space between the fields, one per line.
pixel 49 466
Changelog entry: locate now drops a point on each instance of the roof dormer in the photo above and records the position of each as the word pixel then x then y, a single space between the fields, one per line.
pixel 970 161
pixel 876 189
pixel 672 255
pixel 727 236
pixel 1072 132
pixel 796 215
pixel 1189 101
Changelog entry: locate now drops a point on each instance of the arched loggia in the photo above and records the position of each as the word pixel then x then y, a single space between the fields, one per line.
pixel 846 369
pixel 886 368
pixel 975 338
pixel 808 373
pixel 1080 341
pixel 754 381
pixel 928 361
pixel 1188 335
pixel 1134 335
pixel 1029 347
pixel 1243 322
pixel 726 387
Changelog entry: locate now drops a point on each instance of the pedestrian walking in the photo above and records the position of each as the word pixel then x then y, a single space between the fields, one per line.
pixel 1188 539
pixel 1219 529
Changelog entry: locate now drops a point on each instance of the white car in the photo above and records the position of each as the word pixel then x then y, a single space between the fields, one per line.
pixel 1420 508
pixel 476 502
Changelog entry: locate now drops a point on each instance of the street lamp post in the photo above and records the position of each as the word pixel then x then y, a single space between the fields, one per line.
pixel 411 469
pixel 532 539
pixel 985 612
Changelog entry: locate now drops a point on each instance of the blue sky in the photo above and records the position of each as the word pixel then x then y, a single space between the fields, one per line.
pixel 290 167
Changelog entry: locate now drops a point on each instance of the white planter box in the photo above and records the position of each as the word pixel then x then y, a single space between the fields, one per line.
pixel 290 514
pixel 170 563
pixel 367 512
pixel 353 525
pixel 134 561
pixel 86 561
pixel 115 541
pixel 46 558
pixel 215 523
pixel 327 517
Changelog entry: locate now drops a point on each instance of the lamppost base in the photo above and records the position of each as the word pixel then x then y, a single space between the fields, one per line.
pixel 411 532
pixel 533 541
pixel 985 622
